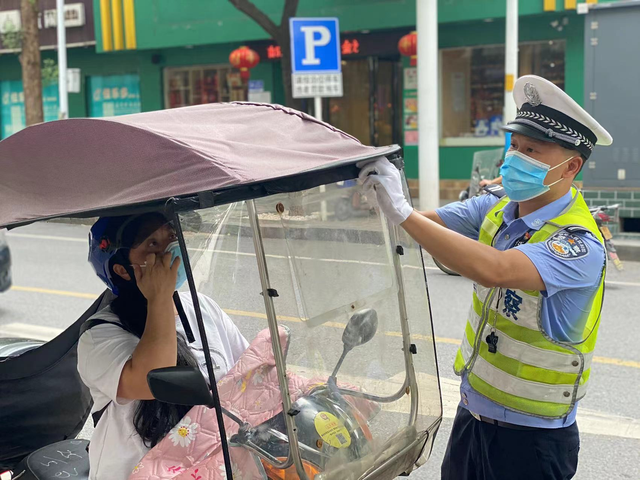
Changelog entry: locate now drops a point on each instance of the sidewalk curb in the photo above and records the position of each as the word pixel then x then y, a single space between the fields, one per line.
pixel 351 235
pixel 74 221
pixel 628 251
pixel 271 229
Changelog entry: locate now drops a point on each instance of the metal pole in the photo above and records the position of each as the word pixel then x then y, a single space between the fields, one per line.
pixel 317 107
pixel 404 325
pixel 428 125
pixel 281 367
pixel 205 345
pixel 317 110
pixel 62 61
pixel 510 61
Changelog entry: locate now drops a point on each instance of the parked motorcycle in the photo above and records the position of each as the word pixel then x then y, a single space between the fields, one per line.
pixel 601 217
pixel 486 166
pixel 349 438
pixel 351 203
pixel 14 347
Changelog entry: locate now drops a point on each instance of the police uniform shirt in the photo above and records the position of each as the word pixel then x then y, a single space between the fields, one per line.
pixel 571 280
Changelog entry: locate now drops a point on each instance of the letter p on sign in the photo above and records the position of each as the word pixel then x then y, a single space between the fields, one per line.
pixel 315 45
pixel 314 36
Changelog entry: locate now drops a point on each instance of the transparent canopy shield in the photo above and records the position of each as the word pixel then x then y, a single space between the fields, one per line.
pixel 339 289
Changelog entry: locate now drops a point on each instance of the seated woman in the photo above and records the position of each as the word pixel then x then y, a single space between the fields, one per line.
pixel 138 257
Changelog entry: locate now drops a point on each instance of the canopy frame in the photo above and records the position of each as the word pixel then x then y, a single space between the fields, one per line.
pixel 332 173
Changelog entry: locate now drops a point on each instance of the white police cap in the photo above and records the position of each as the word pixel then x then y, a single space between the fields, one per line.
pixel 547 113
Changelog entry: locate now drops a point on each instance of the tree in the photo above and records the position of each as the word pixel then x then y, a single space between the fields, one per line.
pixel 280 33
pixel 30 61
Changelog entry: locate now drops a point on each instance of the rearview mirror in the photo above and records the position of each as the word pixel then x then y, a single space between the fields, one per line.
pixel 180 386
pixel 361 328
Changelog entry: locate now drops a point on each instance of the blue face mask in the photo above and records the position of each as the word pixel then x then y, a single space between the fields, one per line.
pixel 523 176
pixel 174 249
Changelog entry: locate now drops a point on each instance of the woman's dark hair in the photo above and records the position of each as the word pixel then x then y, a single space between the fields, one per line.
pixel 152 419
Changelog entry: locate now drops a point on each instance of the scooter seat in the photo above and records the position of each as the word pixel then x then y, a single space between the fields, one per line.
pixel 66 459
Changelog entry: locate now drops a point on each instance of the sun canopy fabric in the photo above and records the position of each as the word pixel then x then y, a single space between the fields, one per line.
pixel 84 165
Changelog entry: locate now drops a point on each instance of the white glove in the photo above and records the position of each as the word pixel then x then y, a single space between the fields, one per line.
pixel 382 182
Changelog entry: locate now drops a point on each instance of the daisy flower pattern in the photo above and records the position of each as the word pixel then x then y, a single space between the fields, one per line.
pixel 137 468
pixel 184 432
pixel 235 472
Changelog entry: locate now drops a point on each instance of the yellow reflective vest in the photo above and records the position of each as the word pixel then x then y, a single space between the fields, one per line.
pixel 530 372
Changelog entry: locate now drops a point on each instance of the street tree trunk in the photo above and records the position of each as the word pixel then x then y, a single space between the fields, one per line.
pixel 30 60
pixel 279 33
pixel 285 62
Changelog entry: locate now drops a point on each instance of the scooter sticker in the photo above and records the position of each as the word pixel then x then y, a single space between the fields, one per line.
pixel 567 245
pixel 332 430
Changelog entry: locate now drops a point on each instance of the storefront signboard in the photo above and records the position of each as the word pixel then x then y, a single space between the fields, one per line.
pixel 78 21
pixel 114 95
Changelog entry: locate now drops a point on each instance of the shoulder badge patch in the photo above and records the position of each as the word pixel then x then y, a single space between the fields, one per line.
pixel 567 245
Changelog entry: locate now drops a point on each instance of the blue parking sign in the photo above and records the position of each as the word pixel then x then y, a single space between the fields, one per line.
pixel 315 45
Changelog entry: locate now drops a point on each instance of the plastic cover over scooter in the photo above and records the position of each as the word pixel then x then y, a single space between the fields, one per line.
pixel 357 392
pixel 353 300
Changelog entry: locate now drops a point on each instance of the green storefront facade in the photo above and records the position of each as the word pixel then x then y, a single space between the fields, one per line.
pixel 174 53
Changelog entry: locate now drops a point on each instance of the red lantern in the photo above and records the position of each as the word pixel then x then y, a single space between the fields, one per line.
pixel 244 58
pixel 408 46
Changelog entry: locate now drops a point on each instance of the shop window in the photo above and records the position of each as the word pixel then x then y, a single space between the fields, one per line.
pixel 198 85
pixel 631 225
pixel 473 84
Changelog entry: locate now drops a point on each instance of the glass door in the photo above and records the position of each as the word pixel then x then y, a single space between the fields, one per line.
pixel 368 109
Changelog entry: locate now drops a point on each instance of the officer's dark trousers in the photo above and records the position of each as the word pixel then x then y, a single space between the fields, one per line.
pixel 482 451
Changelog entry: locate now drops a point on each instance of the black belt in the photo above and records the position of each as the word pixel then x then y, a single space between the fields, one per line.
pixel 498 423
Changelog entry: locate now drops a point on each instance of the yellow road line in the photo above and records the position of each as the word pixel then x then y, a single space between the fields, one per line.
pixel 55 292
pixel 281 257
pixel 341 326
pixel 242 313
pixel 232 252
pixel 617 361
pixel 47 237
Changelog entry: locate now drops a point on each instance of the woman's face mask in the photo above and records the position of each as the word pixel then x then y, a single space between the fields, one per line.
pixel 523 176
pixel 162 240
pixel 174 249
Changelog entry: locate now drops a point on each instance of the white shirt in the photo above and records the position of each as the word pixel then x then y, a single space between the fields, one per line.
pixel 116 448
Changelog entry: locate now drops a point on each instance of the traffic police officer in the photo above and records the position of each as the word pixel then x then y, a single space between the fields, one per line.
pixel 538 263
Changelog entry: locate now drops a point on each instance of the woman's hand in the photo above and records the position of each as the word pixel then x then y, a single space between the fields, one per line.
pixel 158 279
pixel 158 346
